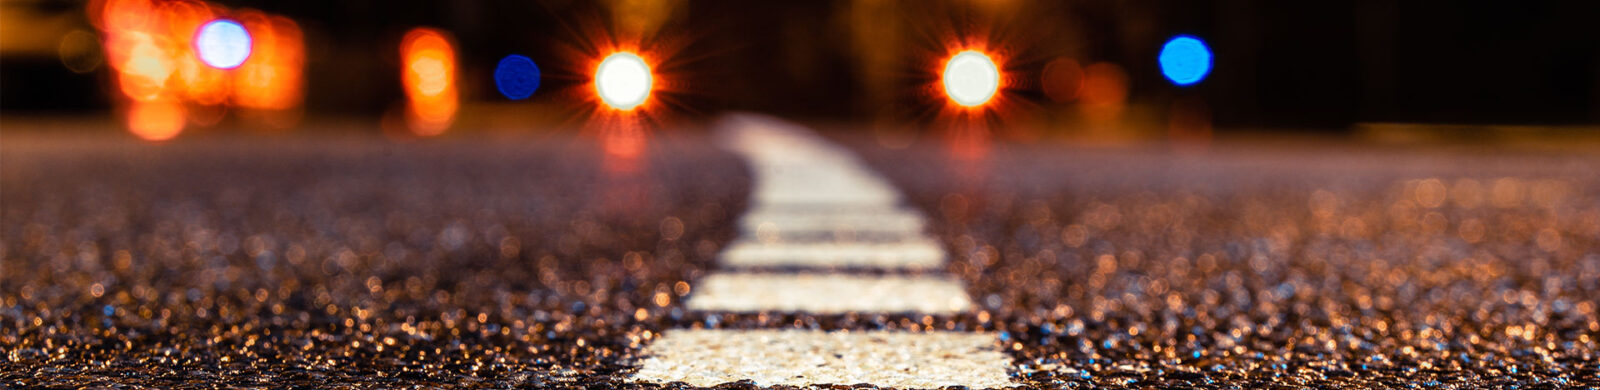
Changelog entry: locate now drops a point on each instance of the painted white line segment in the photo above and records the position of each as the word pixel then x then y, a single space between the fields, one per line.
pixel 815 207
pixel 763 196
pixel 820 182
pixel 827 293
pixel 772 225
pixel 916 254
pixel 905 360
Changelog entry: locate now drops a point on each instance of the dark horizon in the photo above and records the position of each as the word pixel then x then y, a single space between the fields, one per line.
pixel 1324 65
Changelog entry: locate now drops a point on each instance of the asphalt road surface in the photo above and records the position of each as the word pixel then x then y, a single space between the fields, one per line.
pixel 319 261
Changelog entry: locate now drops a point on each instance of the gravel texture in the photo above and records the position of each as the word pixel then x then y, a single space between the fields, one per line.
pixel 1273 265
pixel 306 262
pixel 330 261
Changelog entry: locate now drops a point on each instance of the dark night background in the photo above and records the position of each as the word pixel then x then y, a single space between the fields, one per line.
pixel 1278 64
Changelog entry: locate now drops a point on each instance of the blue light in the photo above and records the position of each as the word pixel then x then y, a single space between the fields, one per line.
pixel 222 44
pixel 1185 60
pixel 516 77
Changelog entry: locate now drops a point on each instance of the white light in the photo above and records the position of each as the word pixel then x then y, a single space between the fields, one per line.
pixel 223 44
pixel 623 81
pixel 970 78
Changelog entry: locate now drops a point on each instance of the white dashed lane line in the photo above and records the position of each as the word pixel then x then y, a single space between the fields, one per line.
pixel 772 224
pixel 816 209
pixel 913 254
pixel 906 360
pixel 828 293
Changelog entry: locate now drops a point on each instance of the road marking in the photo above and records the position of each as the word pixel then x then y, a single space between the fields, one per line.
pixel 915 254
pixel 853 191
pixel 771 223
pixel 898 359
pixel 814 207
pixel 828 293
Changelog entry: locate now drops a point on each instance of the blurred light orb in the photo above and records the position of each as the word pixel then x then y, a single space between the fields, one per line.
pixel 157 120
pixel 222 44
pixel 623 81
pixel 1185 60
pixel 429 78
pixel 517 77
pixel 971 78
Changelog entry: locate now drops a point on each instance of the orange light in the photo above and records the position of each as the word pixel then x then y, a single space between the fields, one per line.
pixel 629 91
pixel 201 83
pixel 271 79
pixel 145 67
pixel 428 72
pixel 123 15
pixel 136 47
pixel 629 75
pixel 156 120
pixel 181 18
pixel 194 80
pixel 149 46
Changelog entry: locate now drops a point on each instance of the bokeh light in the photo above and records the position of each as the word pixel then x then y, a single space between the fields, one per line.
pixel 272 82
pixel 145 66
pixel 1185 60
pixel 428 72
pixel 971 78
pixel 222 44
pixel 195 81
pixel 122 15
pixel 517 77
pixel 155 120
pixel 169 57
pixel 623 81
